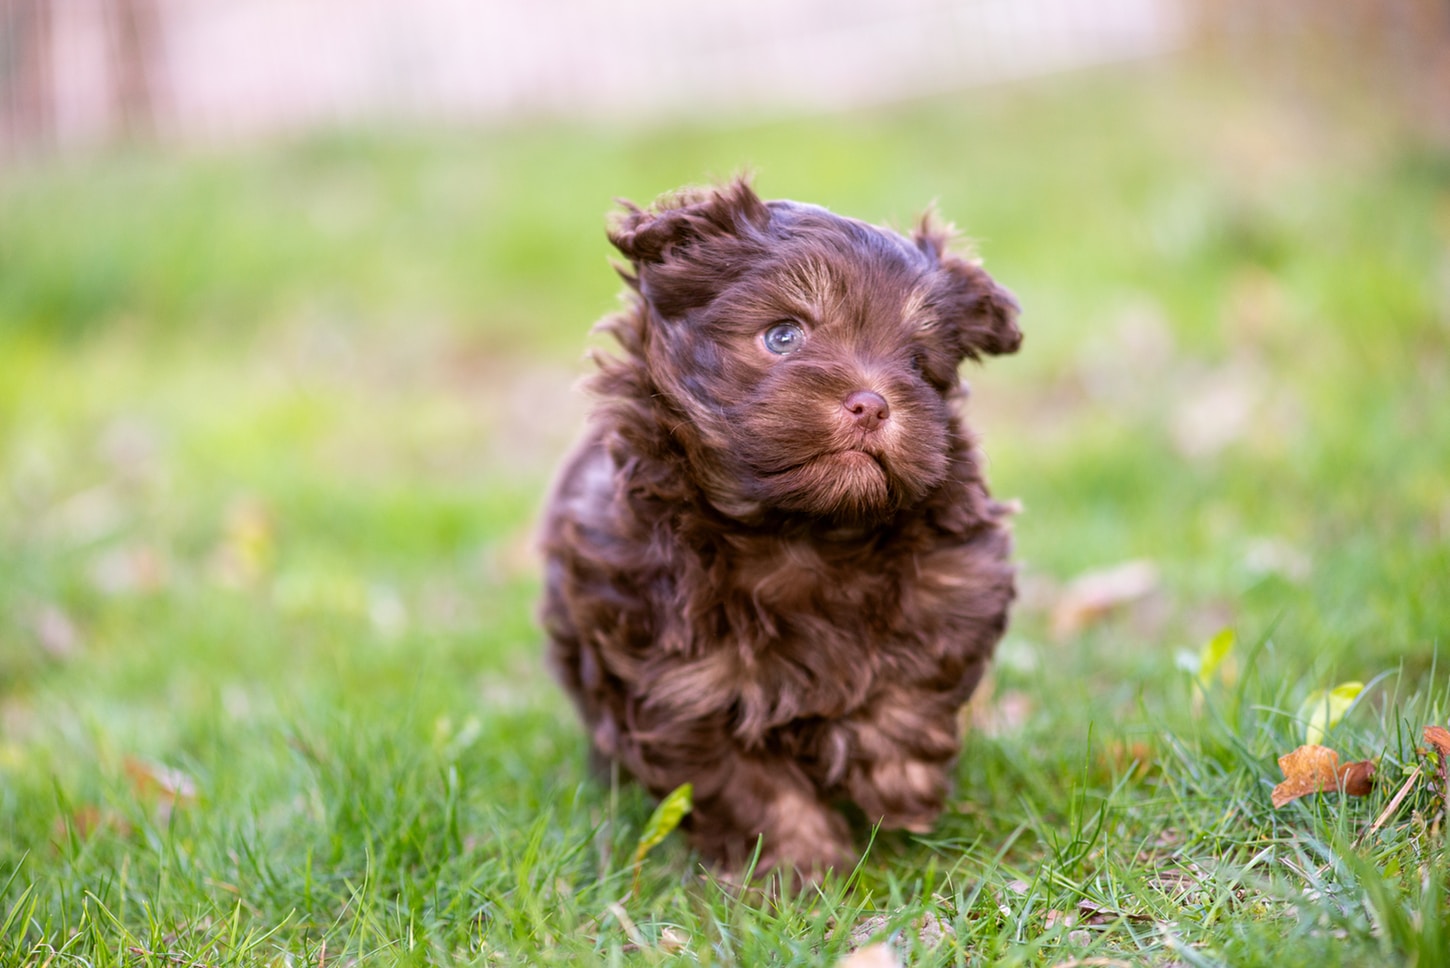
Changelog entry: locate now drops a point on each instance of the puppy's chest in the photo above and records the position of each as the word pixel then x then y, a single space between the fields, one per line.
pixel 811 635
pixel 792 584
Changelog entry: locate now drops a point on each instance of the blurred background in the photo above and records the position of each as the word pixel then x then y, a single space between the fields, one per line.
pixel 294 299
pixel 294 295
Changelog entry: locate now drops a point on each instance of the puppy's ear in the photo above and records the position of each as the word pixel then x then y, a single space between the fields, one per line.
pixel 981 314
pixel 680 220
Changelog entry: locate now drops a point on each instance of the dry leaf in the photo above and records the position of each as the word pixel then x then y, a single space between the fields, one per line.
pixel 87 820
pixel 1272 556
pixel 929 929
pixel 871 956
pixel 995 715
pixel 1316 769
pixel 1090 598
pixel 131 570
pixel 168 788
pixel 1095 914
pixel 57 633
pixel 1122 758
pixel 1217 410
pixel 673 940
pixel 1357 779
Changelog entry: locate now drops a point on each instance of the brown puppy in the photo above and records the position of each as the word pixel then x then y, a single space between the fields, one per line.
pixel 773 568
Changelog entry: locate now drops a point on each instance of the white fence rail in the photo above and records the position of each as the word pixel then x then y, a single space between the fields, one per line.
pixel 77 71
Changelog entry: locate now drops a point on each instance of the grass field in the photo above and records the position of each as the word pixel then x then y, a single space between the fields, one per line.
pixel 275 423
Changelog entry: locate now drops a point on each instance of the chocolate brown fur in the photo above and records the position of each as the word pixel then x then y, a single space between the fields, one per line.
pixel 752 586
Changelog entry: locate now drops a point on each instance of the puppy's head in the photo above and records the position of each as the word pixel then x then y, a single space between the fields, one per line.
pixel 811 359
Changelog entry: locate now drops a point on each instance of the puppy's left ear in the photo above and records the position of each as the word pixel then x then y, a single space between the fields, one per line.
pixel 682 220
pixel 981 313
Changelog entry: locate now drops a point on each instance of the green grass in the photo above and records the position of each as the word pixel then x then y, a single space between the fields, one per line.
pixel 275 424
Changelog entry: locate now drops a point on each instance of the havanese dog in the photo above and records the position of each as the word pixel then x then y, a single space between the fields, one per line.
pixel 774 570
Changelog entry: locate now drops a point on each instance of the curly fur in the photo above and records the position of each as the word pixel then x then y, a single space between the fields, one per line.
pixel 748 588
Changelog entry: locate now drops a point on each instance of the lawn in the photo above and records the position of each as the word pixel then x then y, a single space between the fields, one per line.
pixel 275 423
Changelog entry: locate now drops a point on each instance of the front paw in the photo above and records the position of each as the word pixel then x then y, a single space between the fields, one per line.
pixel 900 795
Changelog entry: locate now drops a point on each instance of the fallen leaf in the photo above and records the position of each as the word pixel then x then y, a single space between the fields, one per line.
pixel 1357 779
pixel 673 940
pixel 929 929
pixel 131 570
pixel 166 787
pixel 1324 708
pixel 1096 914
pixel 1091 597
pixel 83 822
pixel 871 956
pixel 992 714
pixel 1216 410
pixel 1316 769
pixel 666 817
pixel 1271 556
pixel 1174 882
pixel 1217 655
pixel 57 633
pixel 1439 737
pixel 1122 758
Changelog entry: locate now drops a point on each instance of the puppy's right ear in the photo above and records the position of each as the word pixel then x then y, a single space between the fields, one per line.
pixel 679 221
pixel 981 313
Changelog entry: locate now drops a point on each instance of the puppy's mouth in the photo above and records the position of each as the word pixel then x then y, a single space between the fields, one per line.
pixel 846 459
pixel 856 457
pixel 849 483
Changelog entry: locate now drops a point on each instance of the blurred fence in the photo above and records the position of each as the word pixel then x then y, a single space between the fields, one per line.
pixel 79 71
pixel 1396 52
pixel 74 72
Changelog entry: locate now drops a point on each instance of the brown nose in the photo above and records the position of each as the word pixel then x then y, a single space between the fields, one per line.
pixel 867 408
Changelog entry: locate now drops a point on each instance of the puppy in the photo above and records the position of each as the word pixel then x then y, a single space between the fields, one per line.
pixel 773 568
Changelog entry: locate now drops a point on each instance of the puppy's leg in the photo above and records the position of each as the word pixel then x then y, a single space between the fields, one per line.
pixel 770 800
pixel 902 750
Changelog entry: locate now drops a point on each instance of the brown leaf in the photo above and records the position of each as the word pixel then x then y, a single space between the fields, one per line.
pixel 1439 737
pixel 166 787
pixel 930 930
pixel 1357 779
pixel 1316 769
pixel 673 940
pixel 1093 596
pixel 995 715
pixel 87 820
pixel 1094 914
pixel 57 633
pixel 1134 759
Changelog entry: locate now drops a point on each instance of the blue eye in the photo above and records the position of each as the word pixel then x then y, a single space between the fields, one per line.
pixel 783 338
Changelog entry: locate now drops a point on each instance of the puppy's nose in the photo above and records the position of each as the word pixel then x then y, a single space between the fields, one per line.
pixel 867 409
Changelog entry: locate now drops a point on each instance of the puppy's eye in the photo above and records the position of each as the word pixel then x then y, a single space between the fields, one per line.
pixel 783 338
pixel 918 362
